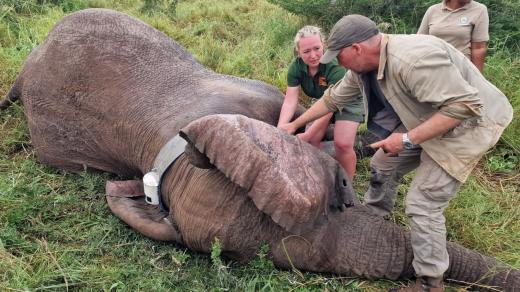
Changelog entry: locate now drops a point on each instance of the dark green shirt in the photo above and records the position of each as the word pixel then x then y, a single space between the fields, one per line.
pixel 314 87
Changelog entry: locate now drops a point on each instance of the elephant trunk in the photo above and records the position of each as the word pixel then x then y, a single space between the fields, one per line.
pixel 353 243
pixel 481 272
pixel 356 243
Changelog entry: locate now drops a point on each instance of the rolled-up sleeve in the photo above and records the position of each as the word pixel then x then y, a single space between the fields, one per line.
pixel 344 92
pixel 434 79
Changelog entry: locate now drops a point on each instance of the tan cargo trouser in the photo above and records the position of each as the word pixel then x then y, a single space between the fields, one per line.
pixel 430 192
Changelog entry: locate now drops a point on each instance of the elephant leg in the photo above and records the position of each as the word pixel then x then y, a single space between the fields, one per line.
pixel 127 201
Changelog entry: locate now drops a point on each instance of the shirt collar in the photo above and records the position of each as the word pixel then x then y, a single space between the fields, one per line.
pixel 445 7
pixel 382 57
pixel 305 68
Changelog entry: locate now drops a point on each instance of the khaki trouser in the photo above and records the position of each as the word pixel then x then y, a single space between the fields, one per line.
pixel 430 192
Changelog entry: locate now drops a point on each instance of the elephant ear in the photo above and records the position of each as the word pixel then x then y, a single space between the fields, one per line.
pixel 294 183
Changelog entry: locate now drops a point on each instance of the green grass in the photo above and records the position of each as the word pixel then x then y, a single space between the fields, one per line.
pixel 57 233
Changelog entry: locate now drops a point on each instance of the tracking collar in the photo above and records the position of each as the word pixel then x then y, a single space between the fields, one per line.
pixel 152 180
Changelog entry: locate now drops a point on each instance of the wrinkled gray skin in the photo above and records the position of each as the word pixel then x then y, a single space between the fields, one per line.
pixel 106 91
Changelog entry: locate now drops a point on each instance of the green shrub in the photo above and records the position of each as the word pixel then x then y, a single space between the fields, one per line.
pixel 167 7
pixel 404 16
pixel 504 24
pixel 22 7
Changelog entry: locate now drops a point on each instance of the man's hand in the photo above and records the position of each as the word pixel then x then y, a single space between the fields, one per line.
pixel 393 144
pixel 289 128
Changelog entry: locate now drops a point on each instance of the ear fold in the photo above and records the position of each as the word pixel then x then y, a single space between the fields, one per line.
pixel 195 157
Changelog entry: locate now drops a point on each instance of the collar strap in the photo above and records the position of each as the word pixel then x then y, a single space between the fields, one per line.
pixel 152 180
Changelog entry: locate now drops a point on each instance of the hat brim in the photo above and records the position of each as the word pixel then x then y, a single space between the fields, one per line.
pixel 329 56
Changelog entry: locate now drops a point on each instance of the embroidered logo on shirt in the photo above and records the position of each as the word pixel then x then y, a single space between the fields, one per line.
pixel 463 21
pixel 322 81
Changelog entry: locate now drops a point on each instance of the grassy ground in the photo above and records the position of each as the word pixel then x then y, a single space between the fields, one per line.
pixel 57 233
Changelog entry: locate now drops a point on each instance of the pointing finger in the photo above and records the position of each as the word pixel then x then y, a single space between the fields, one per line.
pixel 377 144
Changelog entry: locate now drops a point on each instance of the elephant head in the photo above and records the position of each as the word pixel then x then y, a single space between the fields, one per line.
pixel 106 91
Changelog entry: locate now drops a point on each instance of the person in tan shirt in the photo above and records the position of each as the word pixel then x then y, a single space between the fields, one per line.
pixel 433 111
pixel 462 23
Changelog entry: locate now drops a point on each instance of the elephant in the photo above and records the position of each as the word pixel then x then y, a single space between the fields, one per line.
pixel 106 91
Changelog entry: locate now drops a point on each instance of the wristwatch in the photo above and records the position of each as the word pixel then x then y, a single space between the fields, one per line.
pixel 407 144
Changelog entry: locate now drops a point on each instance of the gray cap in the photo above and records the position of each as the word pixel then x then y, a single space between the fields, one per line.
pixel 353 28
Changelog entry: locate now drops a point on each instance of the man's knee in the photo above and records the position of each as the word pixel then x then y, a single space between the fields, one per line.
pixel 381 194
pixel 426 203
pixel 380 162
pixel 430 199
pixel 432 187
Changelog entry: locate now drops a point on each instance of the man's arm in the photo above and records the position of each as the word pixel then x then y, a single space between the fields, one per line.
pixel 289 105
pixel 436 125
pixel 317 110
pixel 478 54
pixel 435 80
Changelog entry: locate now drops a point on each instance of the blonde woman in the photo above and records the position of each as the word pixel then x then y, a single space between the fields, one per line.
pixel 306 73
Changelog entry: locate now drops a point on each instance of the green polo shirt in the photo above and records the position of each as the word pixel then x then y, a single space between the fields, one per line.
pixel 314 87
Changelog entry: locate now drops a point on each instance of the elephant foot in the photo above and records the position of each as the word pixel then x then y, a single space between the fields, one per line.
pixel 127 201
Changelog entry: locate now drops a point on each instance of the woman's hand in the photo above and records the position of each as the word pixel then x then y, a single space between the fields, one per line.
pixel 289 105
pixel 289 128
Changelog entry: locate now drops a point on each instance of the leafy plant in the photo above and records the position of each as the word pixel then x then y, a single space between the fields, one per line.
pixel 503 160
pixel 262 261
pixel 225 278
